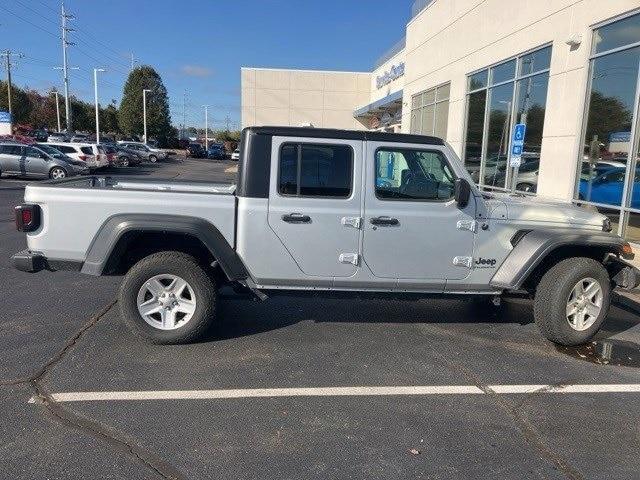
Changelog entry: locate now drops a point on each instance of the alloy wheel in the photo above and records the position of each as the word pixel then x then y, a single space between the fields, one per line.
pixel 166 302
pixel 584 304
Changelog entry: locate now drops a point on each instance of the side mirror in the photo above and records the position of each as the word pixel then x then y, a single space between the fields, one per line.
pixel 462 192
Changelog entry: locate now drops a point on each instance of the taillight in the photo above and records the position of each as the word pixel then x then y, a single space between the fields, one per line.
pixel 27 217
pixel 83 157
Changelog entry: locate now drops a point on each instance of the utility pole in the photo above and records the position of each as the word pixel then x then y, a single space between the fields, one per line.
pixel 95 90
pixel 228 119
pixel 133 62
pixel 7 54
pixel 55 92
pixel 144 112
pixel 184 114
pixel 206 127
pixel 65 67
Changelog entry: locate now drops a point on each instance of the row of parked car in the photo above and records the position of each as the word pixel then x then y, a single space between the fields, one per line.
pixel 216 151
pixel 53 159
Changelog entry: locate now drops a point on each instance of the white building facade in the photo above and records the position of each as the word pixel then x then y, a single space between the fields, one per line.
pixel 470 70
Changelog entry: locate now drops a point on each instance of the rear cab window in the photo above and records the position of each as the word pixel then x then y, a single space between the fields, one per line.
pixel 86 150
pixel 315 170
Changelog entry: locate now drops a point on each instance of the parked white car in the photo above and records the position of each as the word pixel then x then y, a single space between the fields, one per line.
pixel 236 154
pixel 93 155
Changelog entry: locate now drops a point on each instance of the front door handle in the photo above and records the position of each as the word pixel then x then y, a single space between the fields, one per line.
pixel 296 218
pixel 384 221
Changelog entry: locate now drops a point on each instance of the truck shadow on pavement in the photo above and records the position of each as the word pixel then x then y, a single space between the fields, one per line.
pixel 241 316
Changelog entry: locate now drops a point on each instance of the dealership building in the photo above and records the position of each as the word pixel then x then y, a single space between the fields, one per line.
pixel 470 70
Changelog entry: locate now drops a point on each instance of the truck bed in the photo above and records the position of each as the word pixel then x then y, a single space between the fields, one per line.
pixel 74 210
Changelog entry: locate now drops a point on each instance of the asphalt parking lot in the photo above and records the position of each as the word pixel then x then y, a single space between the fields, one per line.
pixel 298 387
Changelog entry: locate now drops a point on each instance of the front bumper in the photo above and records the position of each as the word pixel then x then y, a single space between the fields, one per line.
pixel 623 274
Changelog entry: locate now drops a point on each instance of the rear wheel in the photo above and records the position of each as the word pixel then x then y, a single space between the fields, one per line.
pixel 124 161
pixel 153 158
pixel 168 298
pixel 572 301
pixel 57 173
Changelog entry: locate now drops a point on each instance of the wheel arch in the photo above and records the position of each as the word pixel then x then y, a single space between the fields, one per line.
pixel 124 239
pixel 538 250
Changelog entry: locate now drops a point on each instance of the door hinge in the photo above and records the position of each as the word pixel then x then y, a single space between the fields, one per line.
pixel 470 225
pixel 354 222
pixel 352 258
pixel 462 261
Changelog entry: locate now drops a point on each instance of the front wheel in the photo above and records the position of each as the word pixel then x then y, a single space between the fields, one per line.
pixel 57 173
pixel 153 158
pixel 168 298
pixel 572 301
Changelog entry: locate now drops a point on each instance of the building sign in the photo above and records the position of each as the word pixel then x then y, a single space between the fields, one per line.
pixel 394 73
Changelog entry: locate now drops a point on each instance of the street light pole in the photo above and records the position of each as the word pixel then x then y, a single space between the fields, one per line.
pixel 144 112
pixel 95 90
pixel 55 92
pixel 206 127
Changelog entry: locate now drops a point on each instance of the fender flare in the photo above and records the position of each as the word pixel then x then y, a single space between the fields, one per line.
pixel 112 230
pixel 533 248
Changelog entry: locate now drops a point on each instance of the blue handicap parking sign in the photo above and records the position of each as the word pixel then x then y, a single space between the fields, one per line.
pixel 5 117
pixel 519 132
pixel 517 143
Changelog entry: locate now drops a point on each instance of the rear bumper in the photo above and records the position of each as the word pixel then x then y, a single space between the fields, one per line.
pixel 32 262
pixel 28 261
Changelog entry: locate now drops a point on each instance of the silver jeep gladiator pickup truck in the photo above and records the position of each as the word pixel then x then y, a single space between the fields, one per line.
pixel 325 210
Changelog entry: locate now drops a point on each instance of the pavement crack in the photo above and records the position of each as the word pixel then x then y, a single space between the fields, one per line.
pixel 527 430
pixel 71 419
pixel 97 430
pixel 58 356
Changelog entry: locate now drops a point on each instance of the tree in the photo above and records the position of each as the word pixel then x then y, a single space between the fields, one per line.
pixel 130 117
pixel 20 104
pixel 109 118
pixel 607 115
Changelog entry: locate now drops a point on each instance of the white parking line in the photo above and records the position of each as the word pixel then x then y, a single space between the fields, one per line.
pixel 336 392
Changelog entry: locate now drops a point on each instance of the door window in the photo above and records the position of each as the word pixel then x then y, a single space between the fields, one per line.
pixel 406 174
pixel 12 150
pixel 34 153
pixel 308 170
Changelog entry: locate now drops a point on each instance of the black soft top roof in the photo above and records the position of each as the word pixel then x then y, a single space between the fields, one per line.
pixel 311 132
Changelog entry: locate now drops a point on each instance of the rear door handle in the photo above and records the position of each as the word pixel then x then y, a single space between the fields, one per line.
pixel 385 221
pixel 296 218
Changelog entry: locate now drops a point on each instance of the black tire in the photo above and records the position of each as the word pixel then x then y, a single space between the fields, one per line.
pixel 124 161
pixel 172 263
pixel 552 295
pixel 57 173
pixel 153 158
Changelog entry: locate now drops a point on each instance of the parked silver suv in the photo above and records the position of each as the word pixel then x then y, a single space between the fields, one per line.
pixel 37 161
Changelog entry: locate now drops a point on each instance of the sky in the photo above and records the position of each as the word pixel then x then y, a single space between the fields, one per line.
pixel 197 46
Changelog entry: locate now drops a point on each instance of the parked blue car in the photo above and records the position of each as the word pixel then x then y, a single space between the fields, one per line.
pixel 216 152
pixel 607 186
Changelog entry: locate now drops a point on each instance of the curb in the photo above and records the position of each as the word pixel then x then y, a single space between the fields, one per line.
pixel 625 301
